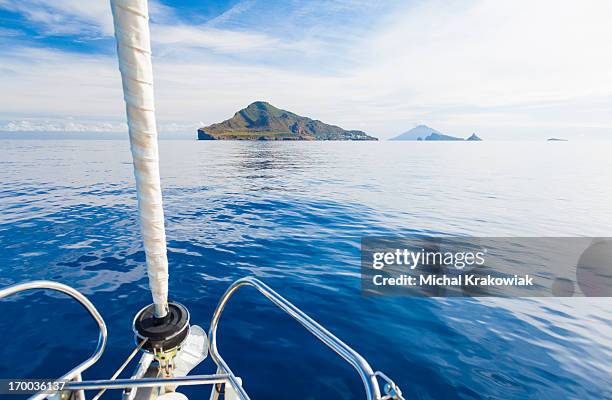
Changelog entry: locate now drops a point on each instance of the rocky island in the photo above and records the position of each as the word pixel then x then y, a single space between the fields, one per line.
pixel 423 132
pixel 263 121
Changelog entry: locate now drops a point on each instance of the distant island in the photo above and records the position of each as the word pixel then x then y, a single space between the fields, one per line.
pixel 552 139
pixel 263 121
pixel 424 132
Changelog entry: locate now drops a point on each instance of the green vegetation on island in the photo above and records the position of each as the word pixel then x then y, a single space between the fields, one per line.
pixel 263 121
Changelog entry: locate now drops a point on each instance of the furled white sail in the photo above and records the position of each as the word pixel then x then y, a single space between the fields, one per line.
pixel 131 19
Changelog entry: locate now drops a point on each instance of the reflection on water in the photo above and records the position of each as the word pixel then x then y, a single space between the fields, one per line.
pixel 293 215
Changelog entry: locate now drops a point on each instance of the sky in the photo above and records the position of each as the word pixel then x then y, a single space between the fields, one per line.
pixel 505 69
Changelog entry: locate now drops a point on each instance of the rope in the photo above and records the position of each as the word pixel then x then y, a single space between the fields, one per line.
pixel 122 367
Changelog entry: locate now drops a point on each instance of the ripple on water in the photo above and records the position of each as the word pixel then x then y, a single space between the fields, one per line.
pixel 293 215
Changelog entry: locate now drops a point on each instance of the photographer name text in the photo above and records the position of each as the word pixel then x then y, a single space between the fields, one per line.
pixel 456 260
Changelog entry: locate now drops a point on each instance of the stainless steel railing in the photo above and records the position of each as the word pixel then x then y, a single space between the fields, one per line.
pixel 368 377
pixel 224 374
pixel 147 382
pixel 74 373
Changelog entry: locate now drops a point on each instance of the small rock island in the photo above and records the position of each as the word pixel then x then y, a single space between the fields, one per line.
pixel 425 133
pixel 262 121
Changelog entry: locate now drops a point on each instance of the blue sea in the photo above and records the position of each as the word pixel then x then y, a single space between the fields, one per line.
pixel 292 214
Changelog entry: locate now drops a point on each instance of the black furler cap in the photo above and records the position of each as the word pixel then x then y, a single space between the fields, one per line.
pixel 165 333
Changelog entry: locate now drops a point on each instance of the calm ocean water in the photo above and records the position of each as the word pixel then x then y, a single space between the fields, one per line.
pixel 293 214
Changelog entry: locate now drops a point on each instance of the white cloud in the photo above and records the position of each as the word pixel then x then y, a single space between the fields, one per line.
pixel 494 53
pixel 45 125
pixel 224 41
pixel 81 125
pixel 232 12
pixel 53 83
pixel 497 65
pixel 60 17
pixel 10 33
